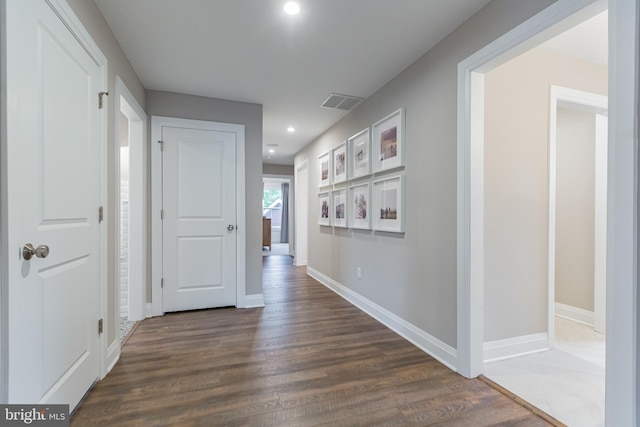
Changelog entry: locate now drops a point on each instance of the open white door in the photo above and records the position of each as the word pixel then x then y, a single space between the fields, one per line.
pixel 53 168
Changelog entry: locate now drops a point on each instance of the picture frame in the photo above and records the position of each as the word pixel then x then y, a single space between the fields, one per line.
pixel 339 207
pixel 324 208
pixel 388 142
pixel 324 169
pixel 359 146
pixel 359 206
pixel 388 200
pixel 339 159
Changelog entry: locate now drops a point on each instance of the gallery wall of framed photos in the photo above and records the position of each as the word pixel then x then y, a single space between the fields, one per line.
pixel 361 180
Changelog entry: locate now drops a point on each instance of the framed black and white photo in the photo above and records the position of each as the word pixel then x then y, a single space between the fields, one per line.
pixel 339 217
pixel 359 206
pixel 324 168
pixel 388 142
pixel 339 159
pixel 324 208
pixel 359 148
pixel 388 204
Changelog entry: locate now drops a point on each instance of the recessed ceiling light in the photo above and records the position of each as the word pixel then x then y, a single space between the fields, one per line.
pixel 292 8
pixel 272 151
pixel 291 129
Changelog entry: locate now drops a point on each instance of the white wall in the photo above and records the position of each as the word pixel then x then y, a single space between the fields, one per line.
pixel 517 102
pixel 412 275
pixel 575 208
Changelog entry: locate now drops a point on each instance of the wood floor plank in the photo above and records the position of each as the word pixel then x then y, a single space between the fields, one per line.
pixel 309 358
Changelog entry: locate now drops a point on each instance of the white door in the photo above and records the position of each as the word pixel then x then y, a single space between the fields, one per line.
pixel 199 218
pixel 53 196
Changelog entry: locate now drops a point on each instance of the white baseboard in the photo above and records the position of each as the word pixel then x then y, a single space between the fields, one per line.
pixel 514 347
pixel 253 301
pixel 574 313
pixel 113 354
pixel 439 350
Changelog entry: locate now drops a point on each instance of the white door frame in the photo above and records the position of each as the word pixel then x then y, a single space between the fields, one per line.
pixel 622 236
pixel 127 104
pixel 302 211
pixel 157 122
pixel 73 23
pixel 597 104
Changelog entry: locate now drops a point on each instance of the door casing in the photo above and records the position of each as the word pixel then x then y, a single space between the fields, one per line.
pixel 157 122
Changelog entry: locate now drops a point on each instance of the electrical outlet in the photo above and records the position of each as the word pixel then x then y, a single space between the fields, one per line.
pixel 359 273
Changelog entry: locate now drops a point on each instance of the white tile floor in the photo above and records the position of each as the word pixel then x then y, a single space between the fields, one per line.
pixel 276 249
pixel 567 381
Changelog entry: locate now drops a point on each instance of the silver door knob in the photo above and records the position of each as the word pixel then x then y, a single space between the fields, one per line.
pixel 230 227
pixel 29 251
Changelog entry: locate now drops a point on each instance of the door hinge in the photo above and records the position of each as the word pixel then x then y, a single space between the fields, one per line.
pixel 162 283
pixel 100 214
pixel 161 145
pixel 100 326
pixel 161 214
pixel 100 95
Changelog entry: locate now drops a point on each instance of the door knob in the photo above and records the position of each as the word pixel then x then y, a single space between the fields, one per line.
pixel 29 251
pixel 230 227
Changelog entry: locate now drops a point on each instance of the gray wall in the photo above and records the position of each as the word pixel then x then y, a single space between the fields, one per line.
pixel 516 185
pixel 219 110
pixel 413 275
pixel 575 208
pixel 94 22
pixel 269 169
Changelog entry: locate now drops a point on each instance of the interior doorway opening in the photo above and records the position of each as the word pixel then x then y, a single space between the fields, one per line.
pixel 277 218
pixel 124 261
pixel 505 307
pixel 131 264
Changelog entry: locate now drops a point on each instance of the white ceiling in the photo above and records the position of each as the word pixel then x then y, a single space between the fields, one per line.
pixel 251 51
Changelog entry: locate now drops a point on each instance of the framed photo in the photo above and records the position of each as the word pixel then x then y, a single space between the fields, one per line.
pixel 339 217
pixel 359 206
pixel 339 163
pixel 324 208
pixel 388 142
pixel 388 204
pixel 324 168
pixel 359 146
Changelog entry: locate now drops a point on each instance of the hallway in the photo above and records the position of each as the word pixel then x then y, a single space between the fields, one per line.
pixel 308 358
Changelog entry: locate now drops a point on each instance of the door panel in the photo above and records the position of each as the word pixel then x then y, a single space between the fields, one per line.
pixel 53 186
pixel 199 203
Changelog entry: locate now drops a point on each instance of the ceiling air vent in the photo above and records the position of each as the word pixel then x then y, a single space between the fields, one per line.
pixel 340 102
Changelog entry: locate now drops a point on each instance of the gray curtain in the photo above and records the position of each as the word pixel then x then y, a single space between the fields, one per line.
pixel 284 225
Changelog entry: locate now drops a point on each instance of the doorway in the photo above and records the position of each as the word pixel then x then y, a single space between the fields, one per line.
pixel 578 145
pixel 621 261
pixel 131 202
pixel 277 215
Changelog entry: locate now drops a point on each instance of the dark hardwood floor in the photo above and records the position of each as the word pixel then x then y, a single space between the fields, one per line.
pixel 308 358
